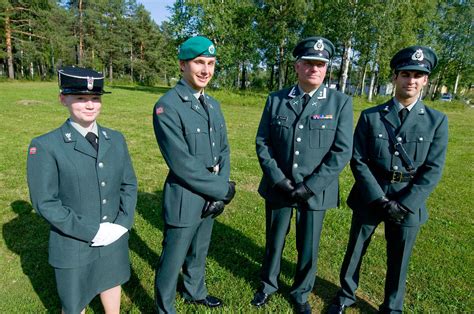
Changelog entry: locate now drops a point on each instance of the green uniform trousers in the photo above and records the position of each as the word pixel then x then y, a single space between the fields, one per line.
pixel 400 241
pixel 309 224
pixel 183 248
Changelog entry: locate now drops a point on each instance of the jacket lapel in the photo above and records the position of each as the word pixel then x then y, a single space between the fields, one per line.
pixel 188 98
pixel 293 99
pixel 389 112
pixel 71 135
pixel 104 142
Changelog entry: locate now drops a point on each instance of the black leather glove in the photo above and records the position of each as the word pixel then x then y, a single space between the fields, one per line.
pixel 285 186
pixel 301 193
pixel 379 204
pixel 214 208
pixel 230 193
pixel 396 212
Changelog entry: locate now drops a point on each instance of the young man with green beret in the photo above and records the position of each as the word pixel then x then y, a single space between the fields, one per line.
pixel 303 142
pixel 192 136
pixel 399 153
pixel 82 182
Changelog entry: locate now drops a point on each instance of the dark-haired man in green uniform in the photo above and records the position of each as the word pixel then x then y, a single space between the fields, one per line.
pixel 398 158
pixel 304 140
pixel 191 132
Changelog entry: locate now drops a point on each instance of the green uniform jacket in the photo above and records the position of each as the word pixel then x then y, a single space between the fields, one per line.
pixel 191 143
pixel 313 147
pixel 424 134
pixel 75 189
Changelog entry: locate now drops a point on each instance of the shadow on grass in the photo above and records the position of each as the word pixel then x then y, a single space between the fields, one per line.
pixel 148 89
pixel 27 235
pixel 232 250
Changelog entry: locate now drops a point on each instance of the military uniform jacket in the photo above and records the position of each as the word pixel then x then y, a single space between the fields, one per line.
pixel 424 135
pixel 75 189
pixel 312 147
pixel 191 143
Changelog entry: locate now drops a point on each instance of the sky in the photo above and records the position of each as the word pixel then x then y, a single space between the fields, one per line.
pixel 157 8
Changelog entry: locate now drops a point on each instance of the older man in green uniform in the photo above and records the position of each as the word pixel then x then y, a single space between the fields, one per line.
pixel 398 158
pixel 191 132
pixel 304 140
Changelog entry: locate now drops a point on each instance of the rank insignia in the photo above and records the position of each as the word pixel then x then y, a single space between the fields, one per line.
pixel 159 110
pixel 105 134
pixel 321 117
pixel 32 150
pixel 68 136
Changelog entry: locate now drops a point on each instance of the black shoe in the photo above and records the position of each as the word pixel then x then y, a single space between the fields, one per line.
pixel 260 298
pixel 208 301
pixel 337 308
pixel 303 308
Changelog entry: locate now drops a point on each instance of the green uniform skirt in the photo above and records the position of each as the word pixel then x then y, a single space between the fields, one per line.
pixel 78 286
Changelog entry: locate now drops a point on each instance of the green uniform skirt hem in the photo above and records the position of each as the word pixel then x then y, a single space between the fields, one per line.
pixel 78 286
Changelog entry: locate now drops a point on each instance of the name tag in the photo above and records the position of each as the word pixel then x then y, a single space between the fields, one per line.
pixel 321 117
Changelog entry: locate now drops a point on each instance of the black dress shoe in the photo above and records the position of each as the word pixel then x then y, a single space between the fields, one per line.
pixel 337 308
pixel 208 301
pixel 303 308
pixel 260 298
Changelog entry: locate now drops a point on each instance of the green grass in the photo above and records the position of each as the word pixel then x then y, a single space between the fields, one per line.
pixel 441 269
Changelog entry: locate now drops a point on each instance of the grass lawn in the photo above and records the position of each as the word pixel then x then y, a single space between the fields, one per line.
pixel 440 273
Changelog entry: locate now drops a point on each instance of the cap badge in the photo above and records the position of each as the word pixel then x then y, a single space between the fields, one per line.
pixel 319 45
pixel 418 55
pixel 90 83
pixel 211 49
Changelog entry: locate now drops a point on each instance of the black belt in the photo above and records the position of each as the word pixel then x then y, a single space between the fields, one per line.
pixel 398 176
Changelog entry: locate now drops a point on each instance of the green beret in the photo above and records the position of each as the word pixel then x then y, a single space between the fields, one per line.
pixel 195 47
pixel 414 58
pixel 314 48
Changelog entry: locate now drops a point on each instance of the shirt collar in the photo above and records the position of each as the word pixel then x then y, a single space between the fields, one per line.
pixel 311 93
pixel 400 106
pixel 83 130
pixel 195 93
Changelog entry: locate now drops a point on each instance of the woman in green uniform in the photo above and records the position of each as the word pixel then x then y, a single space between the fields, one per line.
pixel 81 180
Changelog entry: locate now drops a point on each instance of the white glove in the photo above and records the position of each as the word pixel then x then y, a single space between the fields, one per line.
pixel 112 232
pixel 101 235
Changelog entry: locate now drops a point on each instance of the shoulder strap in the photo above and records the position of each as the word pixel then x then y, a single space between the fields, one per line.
pixel 399 147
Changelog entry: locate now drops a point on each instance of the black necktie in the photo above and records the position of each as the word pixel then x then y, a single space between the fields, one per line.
pixel 203 103
pixel 306 99
pixel 92 138
pixel 402 114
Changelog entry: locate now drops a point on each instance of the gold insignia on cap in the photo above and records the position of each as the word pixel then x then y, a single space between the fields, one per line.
pixel 418 55
pixel 211 49
pixel 319 45
pixel 90 83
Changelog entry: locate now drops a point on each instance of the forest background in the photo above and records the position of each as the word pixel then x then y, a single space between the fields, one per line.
pixel 254 40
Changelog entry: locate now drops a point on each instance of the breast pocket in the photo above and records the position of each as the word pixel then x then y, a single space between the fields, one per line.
pixel 321 133
pixel 417 145
pixel 197 137
pixel 379 144
pixel 280 127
